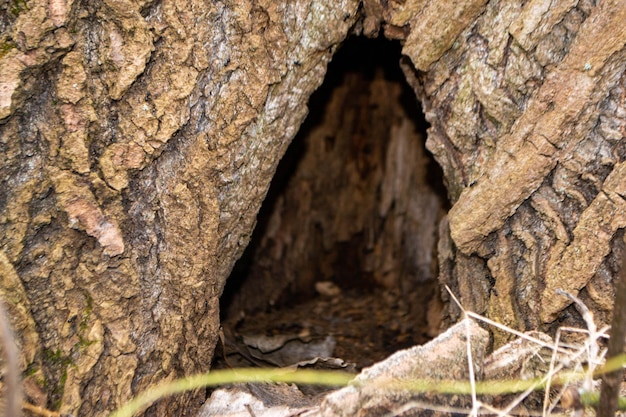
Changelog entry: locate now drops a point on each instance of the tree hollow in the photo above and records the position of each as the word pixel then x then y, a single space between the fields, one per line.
pixel 345 242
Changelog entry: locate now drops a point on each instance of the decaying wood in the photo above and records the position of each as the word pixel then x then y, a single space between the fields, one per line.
pixel 372 392
pixel 443 358
pixel 139 139
pixel 357 209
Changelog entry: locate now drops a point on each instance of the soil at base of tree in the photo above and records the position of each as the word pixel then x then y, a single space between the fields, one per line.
pixel 367 327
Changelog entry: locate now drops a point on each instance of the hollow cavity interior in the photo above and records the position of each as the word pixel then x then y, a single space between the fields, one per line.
pixel 344 251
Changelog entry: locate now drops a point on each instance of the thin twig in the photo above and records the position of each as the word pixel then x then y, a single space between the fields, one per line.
pixel 475 403
pixel 546 396
pixel 515 332
pixel 594 356
pixel 250 410
pixel 417 405
pixel 470 364
pixel 611 381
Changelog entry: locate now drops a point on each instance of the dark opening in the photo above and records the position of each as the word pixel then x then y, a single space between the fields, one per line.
pixel 343 258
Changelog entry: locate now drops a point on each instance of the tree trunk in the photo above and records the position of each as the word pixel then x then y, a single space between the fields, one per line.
pixel 527 109
pixel 139 140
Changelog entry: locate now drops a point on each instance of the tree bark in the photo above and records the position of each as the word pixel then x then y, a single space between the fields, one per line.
pixel 527 109
pixel 139 139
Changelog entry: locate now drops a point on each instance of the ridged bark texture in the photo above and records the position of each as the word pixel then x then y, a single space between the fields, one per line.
pixel 139 138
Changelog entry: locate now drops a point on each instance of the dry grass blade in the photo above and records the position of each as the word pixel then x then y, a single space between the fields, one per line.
pixel 470 365
pixel 594 356
pixel 422 405
pixel 470 362
pixel 566 367
pixel 222 377
pixel 13 393
pixel 572 356
pixel 560 349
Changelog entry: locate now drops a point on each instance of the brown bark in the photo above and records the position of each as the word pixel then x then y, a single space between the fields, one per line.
pixel 527 115
pixel 139 139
